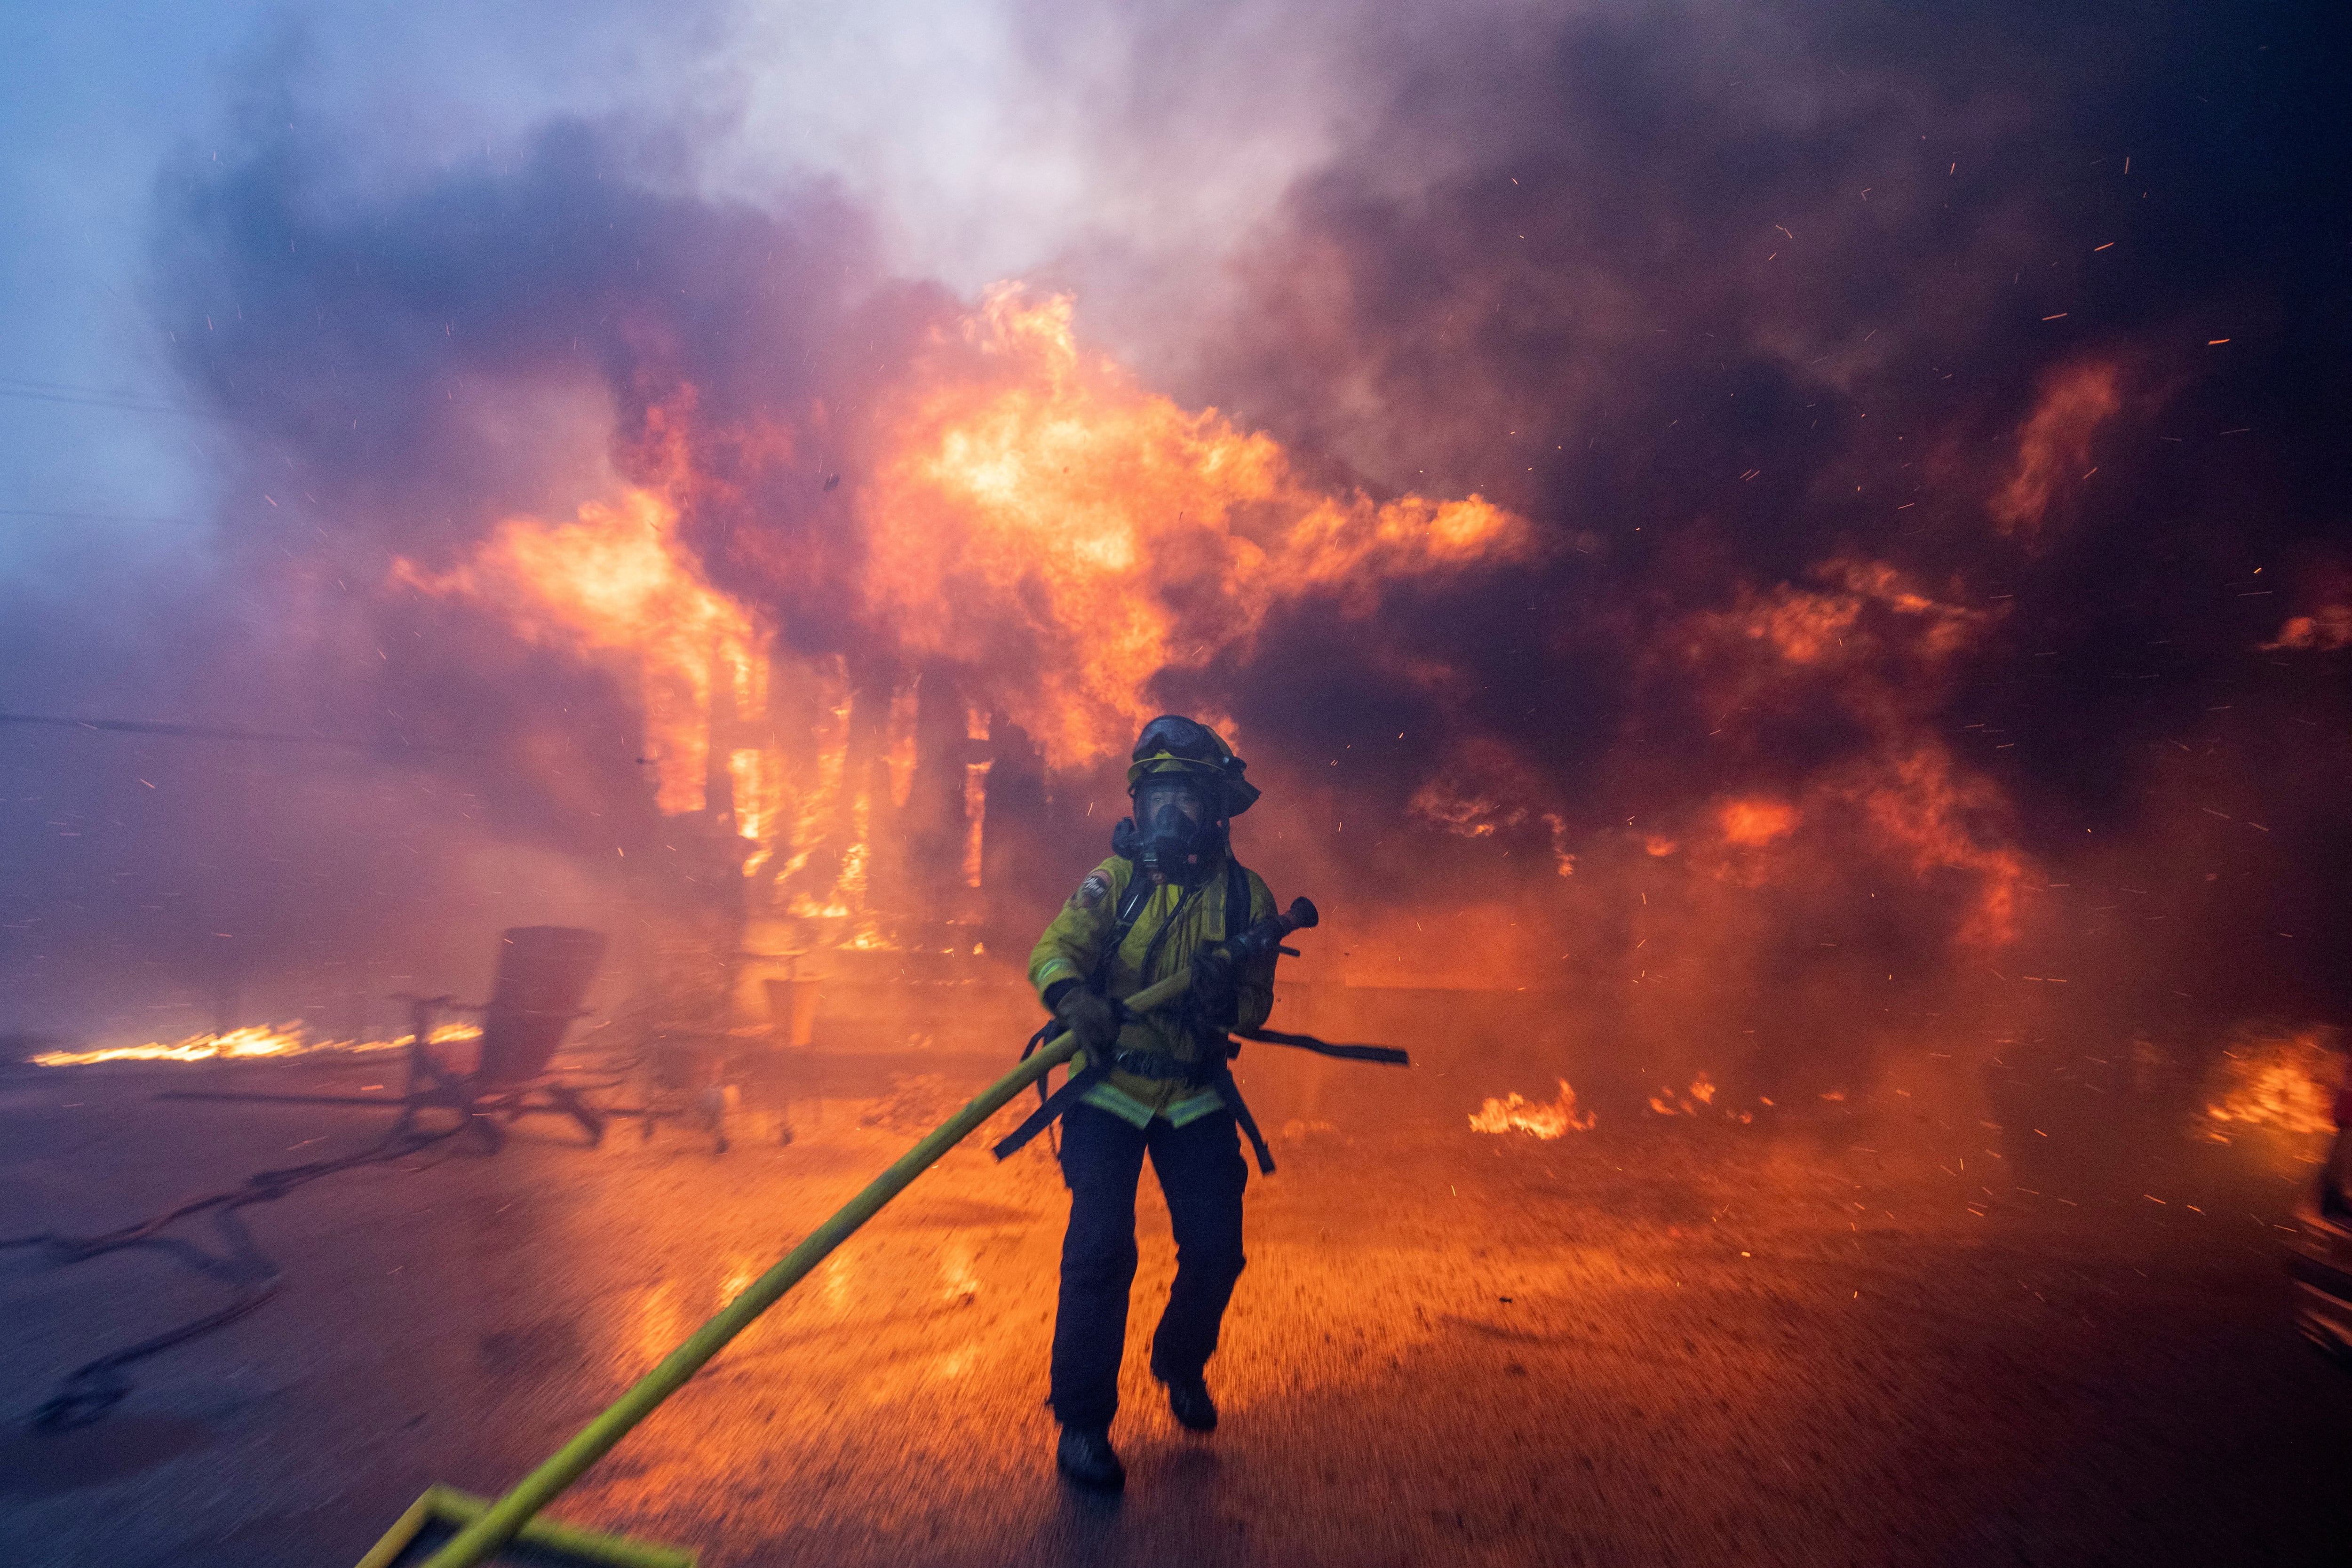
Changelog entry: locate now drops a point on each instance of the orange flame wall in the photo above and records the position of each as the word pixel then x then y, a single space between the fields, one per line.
pixel 1040 531
pixel 1063 541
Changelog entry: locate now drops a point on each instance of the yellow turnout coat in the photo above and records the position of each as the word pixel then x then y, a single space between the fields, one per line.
pixel 1171 924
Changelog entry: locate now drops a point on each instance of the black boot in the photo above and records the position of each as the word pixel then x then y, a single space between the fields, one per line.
pixel 1189 1401
pixel 1086 1455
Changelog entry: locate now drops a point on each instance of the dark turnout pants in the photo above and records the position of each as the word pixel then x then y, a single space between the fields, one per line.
pixel 1201 1173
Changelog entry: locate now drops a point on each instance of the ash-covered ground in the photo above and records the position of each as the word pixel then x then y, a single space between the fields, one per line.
pixel 1875 1330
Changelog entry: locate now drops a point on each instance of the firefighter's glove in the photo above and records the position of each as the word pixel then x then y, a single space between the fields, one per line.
pixel 1094 1019
pixel 1213 983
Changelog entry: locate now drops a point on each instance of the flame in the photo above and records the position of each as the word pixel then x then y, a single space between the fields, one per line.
pixel 616 583
pixel 1037 527
pixel 1751 824
pixel 899 758
pixel 1564 862
pixel 1883 649
pixel 850 895
pixel 1515 1113
pixel 254 1040
pixel 758 792
pixel 1473 816
pixel 1482 789
pixel 1866 616
pixel 975 812
pixel 2325 630
pixel 1920 802
pixel 1041 511
pixel 2284 1084
pixel 817 805
pixel 1666 1102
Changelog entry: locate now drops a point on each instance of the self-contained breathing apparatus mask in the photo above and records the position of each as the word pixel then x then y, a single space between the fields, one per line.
pixel 1186 783
pixel 1173 833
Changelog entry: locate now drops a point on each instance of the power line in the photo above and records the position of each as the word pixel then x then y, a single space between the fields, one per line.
pixel 66 386
pixel 102 517
pixel 120 406
pixel 202 732
pixel 98 397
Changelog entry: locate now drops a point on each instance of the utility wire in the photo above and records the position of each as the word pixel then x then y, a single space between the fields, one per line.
pixel 98 397
pixel 207 733
pixel 39 385
pixel 122 407
pixel 101 517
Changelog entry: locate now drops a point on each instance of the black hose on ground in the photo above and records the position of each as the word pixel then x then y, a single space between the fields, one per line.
pixel 92 1389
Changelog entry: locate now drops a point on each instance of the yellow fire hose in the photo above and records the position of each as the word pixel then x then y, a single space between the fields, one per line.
pixel 490 1528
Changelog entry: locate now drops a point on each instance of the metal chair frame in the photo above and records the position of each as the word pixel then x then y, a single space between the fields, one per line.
pixel 489 1106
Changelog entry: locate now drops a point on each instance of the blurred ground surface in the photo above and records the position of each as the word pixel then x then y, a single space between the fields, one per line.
pixel 1863 1335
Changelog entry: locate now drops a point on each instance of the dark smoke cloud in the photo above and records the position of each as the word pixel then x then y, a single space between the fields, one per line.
pixel 1712 295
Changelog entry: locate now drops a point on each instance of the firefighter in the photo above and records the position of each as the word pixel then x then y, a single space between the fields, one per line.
pixel 1169 891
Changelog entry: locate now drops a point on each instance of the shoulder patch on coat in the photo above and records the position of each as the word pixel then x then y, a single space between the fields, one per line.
pixel 1091 892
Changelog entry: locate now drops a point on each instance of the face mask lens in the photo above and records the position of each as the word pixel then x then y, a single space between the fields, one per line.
pixel 1153 798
